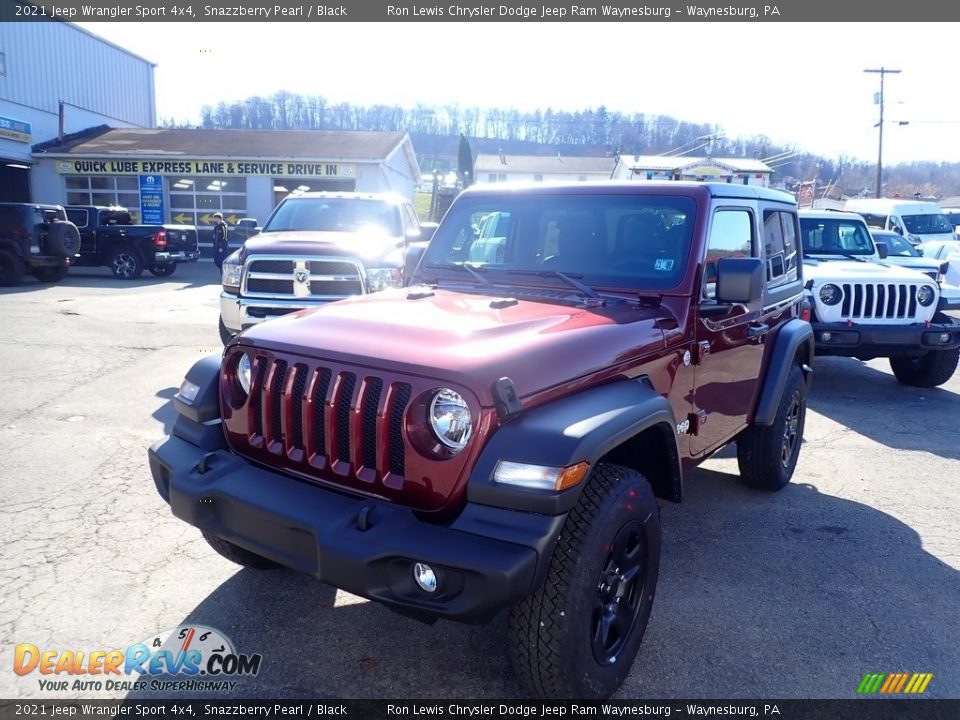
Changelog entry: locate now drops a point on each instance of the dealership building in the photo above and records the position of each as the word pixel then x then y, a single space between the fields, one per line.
pixel 183 176
pixel 68 136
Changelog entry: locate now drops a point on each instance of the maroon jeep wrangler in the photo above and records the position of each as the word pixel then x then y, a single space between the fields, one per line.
pixel 496 435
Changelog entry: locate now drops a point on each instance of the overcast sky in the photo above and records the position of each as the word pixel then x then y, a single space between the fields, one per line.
pixel 799 83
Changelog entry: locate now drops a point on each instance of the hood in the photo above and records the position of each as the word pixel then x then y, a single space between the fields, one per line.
pixel 461 338
pixel 368 246
pixel 855 271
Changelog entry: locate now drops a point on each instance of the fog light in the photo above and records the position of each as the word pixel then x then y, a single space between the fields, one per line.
pixel 944 338
pixel 826 336
pixel 425 577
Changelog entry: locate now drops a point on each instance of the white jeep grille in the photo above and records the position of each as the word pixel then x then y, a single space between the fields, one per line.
pixel 881 301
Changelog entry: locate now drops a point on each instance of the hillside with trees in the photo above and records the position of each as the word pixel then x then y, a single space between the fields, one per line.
pixel 435 132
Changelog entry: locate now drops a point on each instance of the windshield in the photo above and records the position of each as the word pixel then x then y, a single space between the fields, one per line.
pixel 605 240
pixel 926 224
pixel 335 214
pixel 896 245
pixel 835 237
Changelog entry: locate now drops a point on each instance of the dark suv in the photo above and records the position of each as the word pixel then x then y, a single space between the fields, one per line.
pixel 496 435
pixel 35 238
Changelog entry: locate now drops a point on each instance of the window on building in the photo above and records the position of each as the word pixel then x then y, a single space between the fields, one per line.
pixel 538 177
pixel 121 190
pixel 194 200
pixel 780 240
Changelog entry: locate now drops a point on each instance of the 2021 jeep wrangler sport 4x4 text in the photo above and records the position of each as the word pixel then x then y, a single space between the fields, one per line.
pixel 495 435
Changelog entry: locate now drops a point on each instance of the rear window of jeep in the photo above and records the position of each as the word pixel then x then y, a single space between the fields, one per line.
pixel 607 240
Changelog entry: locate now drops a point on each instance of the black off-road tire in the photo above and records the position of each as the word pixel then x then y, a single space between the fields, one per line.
pixel 225 335
pixel 237 554
pixel 50 273
pixel 929 370
pixel 572 637
pixel 63 239
pixel 165 270
pixel 767 455
pixel 126 262
pixel 12 269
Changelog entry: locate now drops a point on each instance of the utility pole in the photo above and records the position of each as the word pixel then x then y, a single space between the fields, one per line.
pixel 882 71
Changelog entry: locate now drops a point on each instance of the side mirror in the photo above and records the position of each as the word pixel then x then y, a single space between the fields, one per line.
pixel 882 250
pixel 898 230
pixel 427 229
pixel 740 280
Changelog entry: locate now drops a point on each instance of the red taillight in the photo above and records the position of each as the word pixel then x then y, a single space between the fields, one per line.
pixel 805 313
pixel 160 240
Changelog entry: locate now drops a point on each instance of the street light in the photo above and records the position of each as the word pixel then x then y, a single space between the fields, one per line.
pixel 883 72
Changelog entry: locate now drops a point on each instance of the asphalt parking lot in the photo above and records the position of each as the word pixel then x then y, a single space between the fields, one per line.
pixel 854 568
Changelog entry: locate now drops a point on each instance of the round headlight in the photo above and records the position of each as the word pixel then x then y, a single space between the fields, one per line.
pixel 243 373
pixel 450 419
pixel 925 295
pixel 830 294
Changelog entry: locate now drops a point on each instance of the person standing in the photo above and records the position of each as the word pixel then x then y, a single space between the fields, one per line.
pixel 220 247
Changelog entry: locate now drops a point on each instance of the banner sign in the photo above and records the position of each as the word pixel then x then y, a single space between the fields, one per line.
pixel 15 130
pixel 206 168
pixel 151 200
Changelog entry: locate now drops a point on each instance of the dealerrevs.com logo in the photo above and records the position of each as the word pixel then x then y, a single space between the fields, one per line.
pixel 188 657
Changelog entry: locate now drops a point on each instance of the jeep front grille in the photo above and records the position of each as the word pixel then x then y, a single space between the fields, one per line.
pixel 318 278
pixel 324 417
pixel 874 301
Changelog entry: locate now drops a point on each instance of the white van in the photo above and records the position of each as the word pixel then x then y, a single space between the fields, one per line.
pixel 916 220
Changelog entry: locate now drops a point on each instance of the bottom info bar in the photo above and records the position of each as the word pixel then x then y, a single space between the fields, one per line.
pixel 855 709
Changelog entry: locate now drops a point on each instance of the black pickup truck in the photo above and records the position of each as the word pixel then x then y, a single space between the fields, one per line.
pixel 108 238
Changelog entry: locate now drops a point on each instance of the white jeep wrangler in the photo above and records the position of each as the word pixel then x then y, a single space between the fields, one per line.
pixel 864 308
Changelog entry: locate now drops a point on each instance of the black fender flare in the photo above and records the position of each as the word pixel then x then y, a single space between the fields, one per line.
pixel 794 339
pixel 198 420
pixel 581 427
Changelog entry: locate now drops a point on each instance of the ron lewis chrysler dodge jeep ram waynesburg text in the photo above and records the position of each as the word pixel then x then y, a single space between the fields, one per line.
pixel 496 435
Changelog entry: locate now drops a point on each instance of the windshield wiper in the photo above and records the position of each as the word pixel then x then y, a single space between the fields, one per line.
pixel 461 266
pixel 586 290
pixel 848 256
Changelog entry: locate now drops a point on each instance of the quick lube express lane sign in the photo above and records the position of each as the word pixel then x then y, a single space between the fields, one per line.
pixel 205 168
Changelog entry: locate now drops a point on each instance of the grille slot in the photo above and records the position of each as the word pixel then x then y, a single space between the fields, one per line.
pixel 299 385
pixel 401 399
pixel 276 400
pixel 319 411
pixel 342 408
pixel 256 396
pixel 368 417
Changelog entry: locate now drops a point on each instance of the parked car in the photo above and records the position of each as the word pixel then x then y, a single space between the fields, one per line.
pixel 316 248
pixel 895 250
pixel 866 309
pixel 35 238
pixel 917 220
pixel 953 215
pixel 108 238
pixel 496 435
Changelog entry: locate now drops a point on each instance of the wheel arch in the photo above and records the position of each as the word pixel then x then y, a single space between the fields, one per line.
pixel 626 422
pixel 793 346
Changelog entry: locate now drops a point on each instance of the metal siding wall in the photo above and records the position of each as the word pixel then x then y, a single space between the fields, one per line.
pixel 52 61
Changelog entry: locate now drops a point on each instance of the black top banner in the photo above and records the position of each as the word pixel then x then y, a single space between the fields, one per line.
pixel 477 11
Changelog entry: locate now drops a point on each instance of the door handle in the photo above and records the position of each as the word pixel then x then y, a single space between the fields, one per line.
pixel 757 330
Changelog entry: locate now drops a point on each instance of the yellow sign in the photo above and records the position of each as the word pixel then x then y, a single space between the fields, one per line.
pixel 207 168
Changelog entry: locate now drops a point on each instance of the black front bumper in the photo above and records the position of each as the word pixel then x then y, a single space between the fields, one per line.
pixel 485 559
pixel 872 341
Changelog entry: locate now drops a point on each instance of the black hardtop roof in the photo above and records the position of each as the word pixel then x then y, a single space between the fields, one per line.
pixel 635 187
